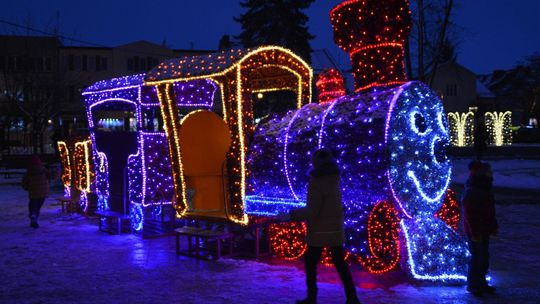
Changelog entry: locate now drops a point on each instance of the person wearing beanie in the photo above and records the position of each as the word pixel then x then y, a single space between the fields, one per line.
pixel 35 181
pixel 479 223
pixel 324 216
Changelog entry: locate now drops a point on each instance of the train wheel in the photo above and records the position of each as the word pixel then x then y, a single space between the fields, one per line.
pixel 288 239
pixel 449 212
pixel 326 257
pixel 383 239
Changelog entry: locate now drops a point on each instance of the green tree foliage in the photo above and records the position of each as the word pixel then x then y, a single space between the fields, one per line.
pixel 276 22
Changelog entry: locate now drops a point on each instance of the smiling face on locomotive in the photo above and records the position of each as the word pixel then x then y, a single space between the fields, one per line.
pixel 417 141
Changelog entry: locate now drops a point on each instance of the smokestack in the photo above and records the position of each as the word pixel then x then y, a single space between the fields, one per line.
pixel 373 32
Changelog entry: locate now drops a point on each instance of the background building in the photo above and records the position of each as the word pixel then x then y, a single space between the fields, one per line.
pixel 41 81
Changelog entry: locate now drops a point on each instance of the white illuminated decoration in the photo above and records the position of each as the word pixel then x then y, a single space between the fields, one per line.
pixel 461 127
pixel 498 127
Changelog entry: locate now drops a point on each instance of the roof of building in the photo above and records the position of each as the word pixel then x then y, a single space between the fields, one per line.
pixel 482 91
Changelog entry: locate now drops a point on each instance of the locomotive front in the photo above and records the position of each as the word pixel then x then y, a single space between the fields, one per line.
pixel 390 140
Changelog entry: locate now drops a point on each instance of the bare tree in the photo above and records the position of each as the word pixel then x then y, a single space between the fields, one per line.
pixel 432 36
pixel 32 85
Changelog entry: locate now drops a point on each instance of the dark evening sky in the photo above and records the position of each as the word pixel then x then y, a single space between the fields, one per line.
pixel 494 34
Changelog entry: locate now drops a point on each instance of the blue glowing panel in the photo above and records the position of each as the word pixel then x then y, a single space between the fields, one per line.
pixel 300 141
pixel 156 170
pixel 270 206
pixel 418 138
pixel 266 160
pixel 435 252
pixel 118 83
pixel 195 93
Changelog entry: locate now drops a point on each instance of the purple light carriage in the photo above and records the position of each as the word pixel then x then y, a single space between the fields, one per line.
pixel 133 170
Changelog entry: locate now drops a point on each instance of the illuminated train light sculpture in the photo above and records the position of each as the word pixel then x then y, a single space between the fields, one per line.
pixel 390 140
pixel 132 159
pixel 239 74
pixel 125 125
pixel 67 170
pixel 78 171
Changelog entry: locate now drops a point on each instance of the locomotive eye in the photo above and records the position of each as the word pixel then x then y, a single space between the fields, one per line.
pixel 419 123
pixel 440 150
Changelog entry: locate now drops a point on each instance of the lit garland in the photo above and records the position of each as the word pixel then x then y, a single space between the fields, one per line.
pixel 149 169
pixel 116 93
pixel 195 93
pixel 391 147
pixel 326 257
pixel 417 139
pixel 239 73
pixel 406 123
pixel 373 32
pixel 136 217
pixel 102 180
pixel 498 127
pixel 449 212
pixel 330 85
pixel 66 167
pixel 461 127
pixel 383 239
pixel 83 163
pixel 434 251
pixel 288 239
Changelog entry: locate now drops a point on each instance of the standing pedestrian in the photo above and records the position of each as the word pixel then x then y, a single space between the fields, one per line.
pixel 479 223
pixel 324 216
pixel 36 182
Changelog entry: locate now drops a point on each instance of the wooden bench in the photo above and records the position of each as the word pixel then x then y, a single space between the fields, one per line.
pixel 201 234
pixel 68 204
pixel 114 221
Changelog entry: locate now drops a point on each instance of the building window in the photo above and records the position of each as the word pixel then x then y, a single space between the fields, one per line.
pixel 71 63
pixel 130 64
pixel 2 63
pixel 104 66
pixel 142 65
pixel 84 63
pixel 98 63
pixel 78 63
pixel 136 63
pixel 451 90
pixel 48 64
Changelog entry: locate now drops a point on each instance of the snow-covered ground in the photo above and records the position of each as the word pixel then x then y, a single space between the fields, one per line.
pixel 67 260
pixel 514 174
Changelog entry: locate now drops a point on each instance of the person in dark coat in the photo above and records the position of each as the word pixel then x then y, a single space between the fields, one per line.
pixel 36 182
pixel 479 223
pixel 324 216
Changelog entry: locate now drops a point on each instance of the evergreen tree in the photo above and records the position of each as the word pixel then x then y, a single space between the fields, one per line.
pixel 276 22
pixel 225 42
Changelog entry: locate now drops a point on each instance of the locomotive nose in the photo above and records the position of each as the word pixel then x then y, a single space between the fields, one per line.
pixel 441 148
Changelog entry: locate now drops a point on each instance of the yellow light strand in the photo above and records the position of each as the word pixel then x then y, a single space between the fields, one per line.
pixel 498 124
pixel 278 54
pixel 64 156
